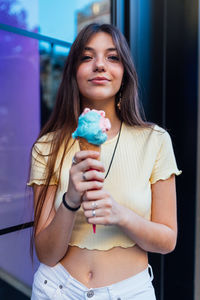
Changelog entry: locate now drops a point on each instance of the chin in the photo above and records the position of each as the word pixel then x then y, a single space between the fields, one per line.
pixel 99 97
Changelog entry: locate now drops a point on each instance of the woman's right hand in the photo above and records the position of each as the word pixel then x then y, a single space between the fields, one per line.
pixel 85 174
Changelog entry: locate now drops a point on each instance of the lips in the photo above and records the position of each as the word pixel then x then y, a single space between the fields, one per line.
pixel 99 79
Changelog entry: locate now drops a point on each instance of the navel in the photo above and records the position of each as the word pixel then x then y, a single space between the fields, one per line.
pixel 90 275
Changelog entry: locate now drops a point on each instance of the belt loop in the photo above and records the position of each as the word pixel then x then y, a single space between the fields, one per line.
pixel 150 272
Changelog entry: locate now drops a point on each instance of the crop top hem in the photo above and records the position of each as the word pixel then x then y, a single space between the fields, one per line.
pixel 102 248
pixel 39 182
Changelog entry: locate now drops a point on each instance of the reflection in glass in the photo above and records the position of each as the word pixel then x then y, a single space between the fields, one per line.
pixel 27 97
pixel 52 60
pixel 20 13
pixel 70 16
pixel 95 12
pixel 24 94
pixel 53 20
pixel 19 122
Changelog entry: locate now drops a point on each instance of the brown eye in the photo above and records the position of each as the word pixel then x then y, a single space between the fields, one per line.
pixel 85 58
pixel 113 57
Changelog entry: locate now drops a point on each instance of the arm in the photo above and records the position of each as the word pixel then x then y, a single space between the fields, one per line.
pixel 158 235
pixel 54 229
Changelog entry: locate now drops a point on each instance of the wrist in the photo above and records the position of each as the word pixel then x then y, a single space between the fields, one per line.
pixel 124 217
pixel 69 204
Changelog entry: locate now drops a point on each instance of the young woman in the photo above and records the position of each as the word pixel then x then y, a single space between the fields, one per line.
pixel 133 204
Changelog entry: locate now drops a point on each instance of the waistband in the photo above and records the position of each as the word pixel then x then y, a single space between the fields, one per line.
pixel 59 273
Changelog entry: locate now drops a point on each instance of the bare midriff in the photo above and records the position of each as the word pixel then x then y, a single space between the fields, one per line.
pixel 97 268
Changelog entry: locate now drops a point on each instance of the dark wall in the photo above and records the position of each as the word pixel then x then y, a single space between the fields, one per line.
pixel 181 118
pixel 163 36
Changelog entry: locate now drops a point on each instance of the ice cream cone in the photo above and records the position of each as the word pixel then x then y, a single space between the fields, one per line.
pixel 91 132
pixel 84 145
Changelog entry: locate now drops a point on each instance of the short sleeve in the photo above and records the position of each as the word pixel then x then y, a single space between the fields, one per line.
pixel 38 171
pixel 165 163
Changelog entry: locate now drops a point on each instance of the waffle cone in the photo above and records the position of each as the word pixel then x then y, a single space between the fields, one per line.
pixel 84 145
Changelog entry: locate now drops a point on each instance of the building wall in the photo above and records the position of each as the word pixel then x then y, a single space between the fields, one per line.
pixel 164 41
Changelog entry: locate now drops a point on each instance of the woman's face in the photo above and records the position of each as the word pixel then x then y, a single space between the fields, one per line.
pixel 100 72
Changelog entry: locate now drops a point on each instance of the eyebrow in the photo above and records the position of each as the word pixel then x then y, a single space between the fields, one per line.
pixel 92 49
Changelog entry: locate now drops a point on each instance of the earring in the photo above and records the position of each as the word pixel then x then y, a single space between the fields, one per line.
pixel 120 96
pixel 120 101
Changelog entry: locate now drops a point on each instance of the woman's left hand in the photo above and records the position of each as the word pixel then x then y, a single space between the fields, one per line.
pixel 100 208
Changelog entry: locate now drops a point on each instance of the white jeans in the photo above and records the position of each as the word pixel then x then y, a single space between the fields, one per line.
pixel 57 284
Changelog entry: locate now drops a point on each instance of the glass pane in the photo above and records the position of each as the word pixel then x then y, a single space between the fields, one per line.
pixel 19 123
pixel 52 60
pixel 70 16
pixel 15 256
pixel 93 12
pixel 20 13
pixel 61 20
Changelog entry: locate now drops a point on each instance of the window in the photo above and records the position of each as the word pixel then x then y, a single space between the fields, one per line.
pixel 35 39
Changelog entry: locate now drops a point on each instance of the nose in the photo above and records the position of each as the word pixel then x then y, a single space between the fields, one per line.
pixel 99 65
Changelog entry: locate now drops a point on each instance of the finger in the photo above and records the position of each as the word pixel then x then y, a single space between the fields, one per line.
pixel 90 164
pixel 90 185
pixel 94 213
pixel 89 205
pixel 81 155
pixel 93 175
pixel 99 220
pixel 95 195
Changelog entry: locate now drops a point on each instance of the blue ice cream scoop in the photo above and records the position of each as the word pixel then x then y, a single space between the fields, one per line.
pixel 91 127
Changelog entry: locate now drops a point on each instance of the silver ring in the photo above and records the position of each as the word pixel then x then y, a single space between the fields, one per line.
pixel 74 162
pixel 94 205
pixel 84 177
pixel 94 213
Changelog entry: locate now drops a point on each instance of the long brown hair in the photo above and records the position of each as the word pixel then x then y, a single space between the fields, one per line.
pixel 67 109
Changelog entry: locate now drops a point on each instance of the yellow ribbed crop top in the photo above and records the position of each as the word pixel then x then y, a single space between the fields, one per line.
pixel 143 156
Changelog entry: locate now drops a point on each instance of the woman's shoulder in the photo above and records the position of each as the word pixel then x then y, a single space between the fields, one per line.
pixel 151 133
pixel 52 142
pixel 160 134
pixel 148 129
pixel 46 138
pixel 43 144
